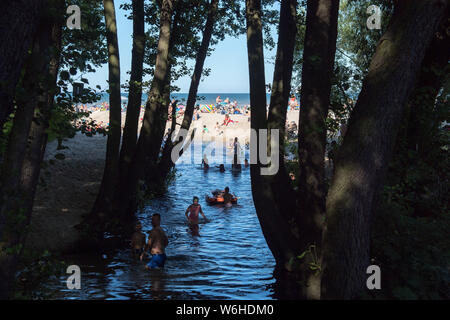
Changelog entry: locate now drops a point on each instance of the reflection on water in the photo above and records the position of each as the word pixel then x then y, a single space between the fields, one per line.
pixel 228 260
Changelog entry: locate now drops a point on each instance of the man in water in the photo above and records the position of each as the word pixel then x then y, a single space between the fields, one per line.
pixel 227 197
pixel 157 243
pixel 205 163
pixel 138 240
pixel 236 151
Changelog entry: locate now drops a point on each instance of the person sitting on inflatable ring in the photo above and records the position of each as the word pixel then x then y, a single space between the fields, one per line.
pixel 227 197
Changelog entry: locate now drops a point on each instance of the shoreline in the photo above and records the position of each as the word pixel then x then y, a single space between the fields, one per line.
pixel 240 128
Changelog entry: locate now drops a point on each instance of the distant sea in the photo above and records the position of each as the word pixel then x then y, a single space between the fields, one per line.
pixel 202 98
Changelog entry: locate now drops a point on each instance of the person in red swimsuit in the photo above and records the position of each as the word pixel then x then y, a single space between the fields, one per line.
pixel 193 210
pixel 227 121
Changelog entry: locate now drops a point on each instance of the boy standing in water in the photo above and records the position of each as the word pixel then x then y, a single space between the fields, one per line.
pixel 137 240
pixel 157 243
pixel 194 209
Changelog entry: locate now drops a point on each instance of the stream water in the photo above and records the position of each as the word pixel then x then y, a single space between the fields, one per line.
pixel 229 260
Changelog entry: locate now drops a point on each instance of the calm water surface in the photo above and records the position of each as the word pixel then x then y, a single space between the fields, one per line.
pixel 229 260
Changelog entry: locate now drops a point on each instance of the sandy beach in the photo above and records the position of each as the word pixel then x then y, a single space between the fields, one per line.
pixel 75 181
pixel 240 127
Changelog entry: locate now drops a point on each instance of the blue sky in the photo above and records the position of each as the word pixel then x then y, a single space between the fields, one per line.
pixel 228 63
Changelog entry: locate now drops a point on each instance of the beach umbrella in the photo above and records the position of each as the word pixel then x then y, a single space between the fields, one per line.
pixel 206 108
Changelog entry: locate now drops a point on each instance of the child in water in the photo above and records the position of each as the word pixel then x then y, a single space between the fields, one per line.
pixel 137 240
pixel 192 212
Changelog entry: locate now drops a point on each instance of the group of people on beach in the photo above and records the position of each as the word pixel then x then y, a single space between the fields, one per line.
pixel 221 106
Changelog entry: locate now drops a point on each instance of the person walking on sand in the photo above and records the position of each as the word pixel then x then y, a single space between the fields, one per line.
pixel 157 243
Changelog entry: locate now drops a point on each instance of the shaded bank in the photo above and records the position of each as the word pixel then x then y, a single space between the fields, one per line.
pixel 66 192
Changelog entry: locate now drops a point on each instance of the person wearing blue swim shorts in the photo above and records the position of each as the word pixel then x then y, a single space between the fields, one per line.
pixel 157 243
pixel 157 261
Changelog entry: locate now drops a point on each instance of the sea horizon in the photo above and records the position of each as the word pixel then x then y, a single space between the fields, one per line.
pixel 242 99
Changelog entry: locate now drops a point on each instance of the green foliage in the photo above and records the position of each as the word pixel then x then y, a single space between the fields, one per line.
pixel 144 194
pixel 82 51
pixel 5 134
pixel 313 259
pixel 355 40
pixel 61 123
pixel 36 269
pixel 85 49
pixel 410 233
pixel 191 16
pixel 412 252
pixel 186 37
pixel 355 47
pixel 354 50
pixel 299 45
pixel 292 165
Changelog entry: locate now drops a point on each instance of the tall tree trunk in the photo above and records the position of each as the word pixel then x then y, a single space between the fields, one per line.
pixel 196 76
pixel 152 176
pixel 14 218
pixel 165 164
pixel 319 54
pixel 317 70
pixel 281 89
pixel 277 232
pixel 38 136
pixel 145 146
pixel 368 143
pixel 103 204
pixel 135 92
pixel 18 24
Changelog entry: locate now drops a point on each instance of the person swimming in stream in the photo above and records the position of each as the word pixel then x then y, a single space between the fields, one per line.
pixel 157 243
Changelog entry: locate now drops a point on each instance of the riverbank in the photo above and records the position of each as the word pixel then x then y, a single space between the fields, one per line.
pixel 67 191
